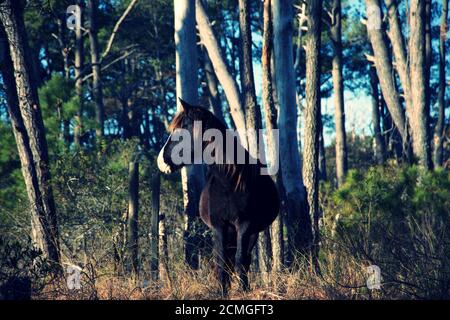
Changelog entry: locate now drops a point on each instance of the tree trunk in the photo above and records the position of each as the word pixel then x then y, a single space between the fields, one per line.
pixel 322 162
pixel 428 60
pixel 227 81
pixel 30 135
pixel 79 64
pixel 253 115
pixel 252 111
pixel 163 250
pixel 213 87
pixel 379 147
pixel 384 71
pixel 63 46
pixel 133 214
pixel 399 49
pixel 187 88
pixel 97 90
pixel 312 114
pixel 156 191
pixel 271 124
pixel 419 116
pixel 439 129
pixel 338 88
pixel 299 223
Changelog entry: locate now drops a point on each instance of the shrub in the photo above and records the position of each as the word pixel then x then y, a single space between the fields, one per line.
pixel 397 219
pixel 23 271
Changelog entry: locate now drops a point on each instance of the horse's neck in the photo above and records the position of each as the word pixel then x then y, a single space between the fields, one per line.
pixel 234 171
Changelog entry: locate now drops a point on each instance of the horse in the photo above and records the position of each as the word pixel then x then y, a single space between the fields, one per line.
pixel 237 201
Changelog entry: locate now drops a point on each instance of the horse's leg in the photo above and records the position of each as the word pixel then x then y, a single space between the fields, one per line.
pixel 245 243
pixel 231 250
pixel 221 259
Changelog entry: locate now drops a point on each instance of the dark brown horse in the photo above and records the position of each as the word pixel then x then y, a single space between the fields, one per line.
pixel 237 201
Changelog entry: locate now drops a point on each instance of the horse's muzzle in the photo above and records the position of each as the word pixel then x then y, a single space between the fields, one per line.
pixel 163 166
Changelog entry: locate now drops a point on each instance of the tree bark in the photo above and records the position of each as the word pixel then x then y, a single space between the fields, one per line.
pixel 299 223
pixel 252 111
pixel 227 81
pixel 379 146
pixel 428 59
pixel 312 113
pixel 30 135
pixel 322 162
pixel 439 129
pixel 338 88
pixel 271 124
pixel 384 71
pixel 163 249
pixel 419 116
pixel 63 47
pixel 187 88
pixel 399 49
pixel 154 232
pixel 133 214
pixel 97 91
pixel 253 115
pixel 213 87
pixel 79 64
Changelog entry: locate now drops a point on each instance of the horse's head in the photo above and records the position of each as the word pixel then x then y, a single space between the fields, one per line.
pixel 187 126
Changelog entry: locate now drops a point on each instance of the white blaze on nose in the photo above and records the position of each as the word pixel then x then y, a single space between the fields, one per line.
pixel 162 165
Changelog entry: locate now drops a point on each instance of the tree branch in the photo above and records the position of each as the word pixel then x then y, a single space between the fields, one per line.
pixel 116 28
pixel 125 55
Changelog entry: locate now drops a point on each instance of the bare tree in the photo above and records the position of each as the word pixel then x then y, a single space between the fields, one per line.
pixel 133 214
pixel 312 112
pixel 399 49
pixel 322 162
pixel 187 89
pixel 418 116
pixel 79 65
pixel 252 111
pixel 226 79
pixel 299 223
pixel 428 56
pixel 383 64
pixel 64 49
pixel 97 90
pixel 253 115
pixel 154 232
pixel 163 250
pixel 439 129
pixel 29 130
pixel 379 146
pixel 338 88
pixel 213 87
pixel 271 124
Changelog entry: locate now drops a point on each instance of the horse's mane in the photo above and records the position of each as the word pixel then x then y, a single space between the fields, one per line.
pixel 237 174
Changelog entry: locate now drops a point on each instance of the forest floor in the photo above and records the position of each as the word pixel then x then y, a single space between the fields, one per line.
pixel 184 283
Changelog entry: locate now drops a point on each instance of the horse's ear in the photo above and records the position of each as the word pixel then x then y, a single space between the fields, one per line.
pixel 184 105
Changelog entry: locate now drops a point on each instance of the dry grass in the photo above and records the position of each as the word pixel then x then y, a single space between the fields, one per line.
pixel 340 278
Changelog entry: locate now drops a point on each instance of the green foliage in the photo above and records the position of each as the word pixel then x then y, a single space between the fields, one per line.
pixel 57 91
pixel 24 270
pixel 91 193
pixel 360 154
pixel 399 219
pixel 58 104
pixel 11 182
